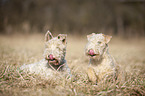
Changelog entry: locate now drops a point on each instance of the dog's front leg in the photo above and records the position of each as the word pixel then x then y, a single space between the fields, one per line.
pixel 92 75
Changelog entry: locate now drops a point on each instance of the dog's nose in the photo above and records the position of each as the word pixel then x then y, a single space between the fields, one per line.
pixel 51 57
pixel 91 52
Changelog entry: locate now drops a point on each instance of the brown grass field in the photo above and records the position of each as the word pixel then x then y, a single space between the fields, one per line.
pixel 16 50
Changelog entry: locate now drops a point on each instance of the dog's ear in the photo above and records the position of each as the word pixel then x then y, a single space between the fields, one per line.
pixel 62 37
pixel 48 36
pixel 107 38
pixel 88 36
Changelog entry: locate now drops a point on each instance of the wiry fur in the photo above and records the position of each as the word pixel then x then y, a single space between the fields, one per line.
pixel 54 57
pixel 101 63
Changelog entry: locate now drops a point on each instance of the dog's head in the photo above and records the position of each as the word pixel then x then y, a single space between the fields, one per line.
pixel 55 48
pixel 97 44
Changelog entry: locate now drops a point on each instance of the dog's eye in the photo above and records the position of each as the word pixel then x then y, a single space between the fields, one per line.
pixel 58 48
pixel 99 42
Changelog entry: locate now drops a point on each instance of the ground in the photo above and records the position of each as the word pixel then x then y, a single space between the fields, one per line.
pixel 16 50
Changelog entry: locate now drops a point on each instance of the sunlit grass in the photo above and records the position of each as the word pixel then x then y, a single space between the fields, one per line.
pixel 17 50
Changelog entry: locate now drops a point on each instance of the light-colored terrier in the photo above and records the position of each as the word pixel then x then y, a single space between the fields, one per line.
pixel 101 63
pixel 54 57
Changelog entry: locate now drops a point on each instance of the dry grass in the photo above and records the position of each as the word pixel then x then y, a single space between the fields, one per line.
pixel 17 50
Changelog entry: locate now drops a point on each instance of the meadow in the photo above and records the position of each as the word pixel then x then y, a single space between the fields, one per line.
pixel 17 50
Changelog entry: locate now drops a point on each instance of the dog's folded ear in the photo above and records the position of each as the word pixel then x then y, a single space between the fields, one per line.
pixel 48 36
pixel 107 38
pixel 62 37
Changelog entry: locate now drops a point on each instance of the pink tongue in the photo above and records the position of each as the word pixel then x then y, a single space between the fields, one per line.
pixel 91 52
pixel 51 57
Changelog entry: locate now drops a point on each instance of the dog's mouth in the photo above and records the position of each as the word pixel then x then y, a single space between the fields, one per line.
pixel 52 60
pixel 92 54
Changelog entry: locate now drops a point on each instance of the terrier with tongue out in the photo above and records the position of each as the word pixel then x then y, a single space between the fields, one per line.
pixel 54 58
pixel 101 64
pixel 55 50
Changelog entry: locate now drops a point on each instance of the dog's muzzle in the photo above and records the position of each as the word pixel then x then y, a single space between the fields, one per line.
pixel 92 54
pixel 52 60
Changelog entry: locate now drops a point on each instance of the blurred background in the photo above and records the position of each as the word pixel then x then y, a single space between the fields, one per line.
pixel 124 18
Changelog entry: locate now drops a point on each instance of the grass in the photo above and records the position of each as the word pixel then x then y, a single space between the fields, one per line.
pixel 17 49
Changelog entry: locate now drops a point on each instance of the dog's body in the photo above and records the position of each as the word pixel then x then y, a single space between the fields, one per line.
pixel 101 64
pixel 54 57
